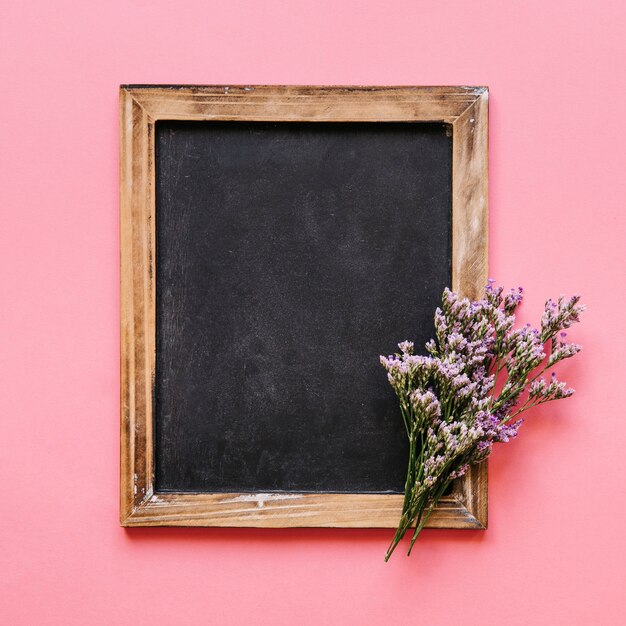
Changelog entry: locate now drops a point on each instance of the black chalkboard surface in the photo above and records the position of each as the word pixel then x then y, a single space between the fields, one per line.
pixel 288 257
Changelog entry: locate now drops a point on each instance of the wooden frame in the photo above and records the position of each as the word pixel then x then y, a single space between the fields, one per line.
pixel 464 108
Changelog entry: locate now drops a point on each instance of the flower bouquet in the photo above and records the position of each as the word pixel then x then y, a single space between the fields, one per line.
pixel 479 376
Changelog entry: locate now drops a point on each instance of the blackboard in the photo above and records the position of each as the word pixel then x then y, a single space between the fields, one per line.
pixel 289 256
pixel 275 240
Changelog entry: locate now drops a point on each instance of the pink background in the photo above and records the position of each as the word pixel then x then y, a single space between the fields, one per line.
pixel 555 551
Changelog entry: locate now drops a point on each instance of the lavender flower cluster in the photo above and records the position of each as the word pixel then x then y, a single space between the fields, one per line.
pixel 466 394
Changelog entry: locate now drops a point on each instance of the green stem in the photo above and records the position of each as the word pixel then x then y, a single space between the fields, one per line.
pixel 409 475
pixel 400 532
pixel 420 524
pixel 405 520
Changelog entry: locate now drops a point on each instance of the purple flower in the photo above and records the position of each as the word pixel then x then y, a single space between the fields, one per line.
pixel 512 300
pixel 406 347
pixel 480 374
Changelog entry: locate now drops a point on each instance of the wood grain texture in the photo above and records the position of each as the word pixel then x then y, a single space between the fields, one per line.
pixel 464 108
